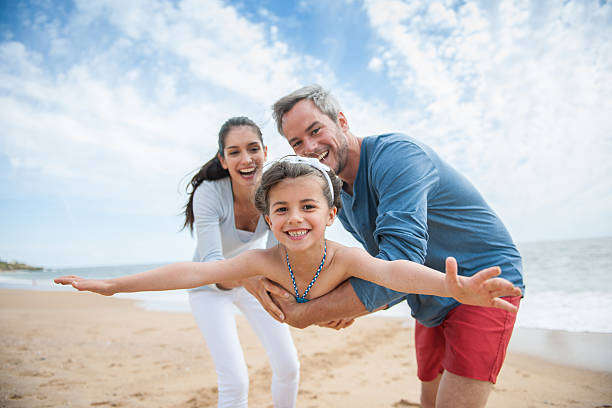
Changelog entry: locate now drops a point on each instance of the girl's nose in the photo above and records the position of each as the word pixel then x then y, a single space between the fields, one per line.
pixel 295 217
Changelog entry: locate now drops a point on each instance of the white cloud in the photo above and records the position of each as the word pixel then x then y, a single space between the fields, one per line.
pixel 126 97
pixel 517 96
pixel 155 119
pixel 375 64
pixel 441 16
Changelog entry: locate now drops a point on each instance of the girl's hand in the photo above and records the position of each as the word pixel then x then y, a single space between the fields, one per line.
pixel 93 285
pixel 480 289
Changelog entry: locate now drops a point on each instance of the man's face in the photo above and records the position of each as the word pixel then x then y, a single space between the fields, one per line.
pixel 311 133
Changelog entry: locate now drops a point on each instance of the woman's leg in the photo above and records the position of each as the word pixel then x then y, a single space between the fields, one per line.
pixel 276 339
pixel 214 314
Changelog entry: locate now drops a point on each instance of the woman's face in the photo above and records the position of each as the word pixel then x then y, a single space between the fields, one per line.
pixel 244 156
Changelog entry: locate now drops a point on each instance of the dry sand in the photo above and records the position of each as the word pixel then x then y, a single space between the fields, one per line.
pixel 61 349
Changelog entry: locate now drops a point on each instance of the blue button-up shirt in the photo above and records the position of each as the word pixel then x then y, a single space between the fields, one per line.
pixel 409 204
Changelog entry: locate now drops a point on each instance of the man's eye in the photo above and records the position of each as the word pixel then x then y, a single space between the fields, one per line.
pixel 315 131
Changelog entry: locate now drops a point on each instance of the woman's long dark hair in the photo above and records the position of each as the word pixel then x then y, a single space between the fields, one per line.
pixel 212 169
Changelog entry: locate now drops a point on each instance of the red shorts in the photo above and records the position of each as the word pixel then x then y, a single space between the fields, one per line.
pixel 471 342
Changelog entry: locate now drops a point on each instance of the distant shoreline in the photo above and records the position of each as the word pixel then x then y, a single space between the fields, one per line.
pixel 17 266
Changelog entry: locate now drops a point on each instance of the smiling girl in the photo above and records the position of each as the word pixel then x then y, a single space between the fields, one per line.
pixel 299 198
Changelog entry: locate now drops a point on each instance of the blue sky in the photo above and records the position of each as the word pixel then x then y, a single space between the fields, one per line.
pixel 106 106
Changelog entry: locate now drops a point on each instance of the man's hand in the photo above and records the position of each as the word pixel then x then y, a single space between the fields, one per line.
pixel 480 289
pixel 339 305
pixel 337 324
pixel 262 288
pixel 295 314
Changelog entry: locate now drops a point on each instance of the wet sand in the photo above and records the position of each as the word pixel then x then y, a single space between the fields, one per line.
pixel 64 349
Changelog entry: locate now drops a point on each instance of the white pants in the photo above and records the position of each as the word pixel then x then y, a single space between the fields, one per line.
pixel 214 314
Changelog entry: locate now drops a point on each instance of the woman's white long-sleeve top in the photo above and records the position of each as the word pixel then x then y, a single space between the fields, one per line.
pixel 215 225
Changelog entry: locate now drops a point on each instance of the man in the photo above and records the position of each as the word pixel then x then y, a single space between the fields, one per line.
pixel 401 201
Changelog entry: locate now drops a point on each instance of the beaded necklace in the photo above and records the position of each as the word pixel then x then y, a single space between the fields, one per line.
pixel 298 298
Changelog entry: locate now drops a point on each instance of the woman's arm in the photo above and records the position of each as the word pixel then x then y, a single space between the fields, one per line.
pixel 410 277
pixel 211 201
pixel 182 275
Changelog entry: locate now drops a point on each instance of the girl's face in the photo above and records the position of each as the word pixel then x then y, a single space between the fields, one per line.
pixel 244 156
pixel 299 212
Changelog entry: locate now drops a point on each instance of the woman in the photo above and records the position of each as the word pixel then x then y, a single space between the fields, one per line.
pixel 227 223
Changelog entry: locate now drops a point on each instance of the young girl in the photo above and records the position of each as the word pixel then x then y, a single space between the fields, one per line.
pixel 299 198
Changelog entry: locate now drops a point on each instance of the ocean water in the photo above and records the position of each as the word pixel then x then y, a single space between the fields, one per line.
pixel 568 286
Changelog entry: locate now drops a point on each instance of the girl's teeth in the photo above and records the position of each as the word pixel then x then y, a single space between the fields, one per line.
pixel 297 233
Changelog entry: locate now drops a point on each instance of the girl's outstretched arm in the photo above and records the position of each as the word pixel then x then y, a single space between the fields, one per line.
pixel 410 277
pixel 182 275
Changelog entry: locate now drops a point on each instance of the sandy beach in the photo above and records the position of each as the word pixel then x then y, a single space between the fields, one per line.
pixel 61 349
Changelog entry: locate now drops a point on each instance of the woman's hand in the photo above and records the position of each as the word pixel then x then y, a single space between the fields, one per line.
pixel 262 288
pixel 480 289
pixel 93 285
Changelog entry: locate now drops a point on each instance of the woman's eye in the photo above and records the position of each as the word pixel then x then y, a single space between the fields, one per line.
pixel 255 149
pixel 233 153
pixel 315 131
pixel 296 144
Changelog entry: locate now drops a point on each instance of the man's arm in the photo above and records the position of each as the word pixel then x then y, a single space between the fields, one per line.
pixel 338 304
pixel 402 193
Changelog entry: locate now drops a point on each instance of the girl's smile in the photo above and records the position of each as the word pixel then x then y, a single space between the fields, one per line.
pixel 297 234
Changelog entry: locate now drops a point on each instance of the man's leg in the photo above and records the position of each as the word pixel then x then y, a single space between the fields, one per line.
pixel 429 392
pixel 462 392
pixel 475 341
pixel 430 348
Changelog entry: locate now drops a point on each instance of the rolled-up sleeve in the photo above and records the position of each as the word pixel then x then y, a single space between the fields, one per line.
pixel 401 177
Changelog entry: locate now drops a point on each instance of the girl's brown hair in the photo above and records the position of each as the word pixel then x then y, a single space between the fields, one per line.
pixel 282 170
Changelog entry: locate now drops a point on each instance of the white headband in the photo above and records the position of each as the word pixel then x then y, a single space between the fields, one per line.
pixel 312 162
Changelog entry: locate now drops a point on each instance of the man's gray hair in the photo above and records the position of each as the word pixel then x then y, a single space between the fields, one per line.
pixel 321 97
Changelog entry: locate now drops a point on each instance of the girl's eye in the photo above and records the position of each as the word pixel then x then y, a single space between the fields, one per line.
pixel 296 144
pixel 280 209
pixel 309 207
pixel 255 149
pixel 233 153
